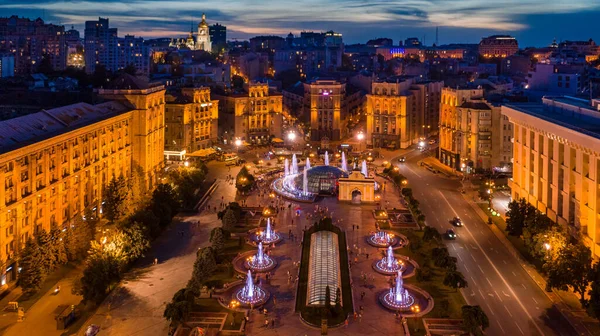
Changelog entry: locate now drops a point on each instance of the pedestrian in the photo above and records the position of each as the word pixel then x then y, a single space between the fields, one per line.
pixel 274 301
pixel 155 261
pixel 266 323
pixel 273 323
pixel 359 318
pixel 362 295
pixel 356 227
pixel 352 227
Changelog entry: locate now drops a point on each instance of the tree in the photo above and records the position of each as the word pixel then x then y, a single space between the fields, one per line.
pixel 515 218
pixel 147 220
pixel 423 273
pixel 165 203
pixel 430 233
pixel 244 180
pixel 204 267
pixel 338 299
pixel 116 199
pixel 545 245
pixel 135 241
pixel 217 239
pixel 33 269
pixel 593 307
pixel 77 238
pixel 328 298
pixel 438 254
pixel 58 248
pixel 101 273
pixel 229 220
pixel 237 82
pixel 178 309
pixel 571 268
pixel 455 279
pixel 474 320
pixel 44 244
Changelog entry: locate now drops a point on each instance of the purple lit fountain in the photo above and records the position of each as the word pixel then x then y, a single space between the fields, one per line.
pixel 398 297
pixel 251 294
pixel 389 264
pixel 269 235
pixel 260 262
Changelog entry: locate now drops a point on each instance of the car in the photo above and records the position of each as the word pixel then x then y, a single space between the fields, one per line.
pixel 402 159
pixel 456 221
pixel 432 142
pixel 92 330
pixel 450 234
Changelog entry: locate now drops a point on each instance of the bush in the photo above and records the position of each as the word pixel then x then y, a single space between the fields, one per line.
pixel 424 273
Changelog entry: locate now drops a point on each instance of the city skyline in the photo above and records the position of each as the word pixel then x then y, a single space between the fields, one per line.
pixel 531 22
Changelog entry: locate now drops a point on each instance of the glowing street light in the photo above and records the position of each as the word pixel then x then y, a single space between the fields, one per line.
pixel 547 246
pixel 238 142
pixel 360 136
pixel 291 136
pixel 421 144
pixel 186 163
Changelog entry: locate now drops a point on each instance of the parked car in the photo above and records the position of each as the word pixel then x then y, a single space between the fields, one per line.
pixel 92 330
pixel 450 234
pixel 456 221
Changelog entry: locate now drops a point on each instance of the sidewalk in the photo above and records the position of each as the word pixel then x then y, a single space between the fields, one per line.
pixel 562 307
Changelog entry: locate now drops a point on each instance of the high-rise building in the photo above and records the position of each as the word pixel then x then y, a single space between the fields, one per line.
pixel 101 45
pixel 191 118
pixel 30 41
pixel 55 163
pixel 255 114
pixel 203 41
pixel 328 113
pixel 104 47
pixel 473 133
pixel 7 65
pixel 218 36
pixel 556 165
pixel 75 55
pixel 498 46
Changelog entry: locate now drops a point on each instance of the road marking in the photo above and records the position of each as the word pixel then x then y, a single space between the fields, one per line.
pixel 473 258
pixel 497 271
pixel 522 333
pixel 504 261
pixel 513 272
pixel 481 270
pixel 453 247
pixel 506 294
pixel 458 255
pixel 499 298
pixel 524 286
pixel 466 268
pixel 488 280
pixel 534 300
pixel 508 311
pixel 503 332
pixel 412 171
pixel 490 308
pixel 481 293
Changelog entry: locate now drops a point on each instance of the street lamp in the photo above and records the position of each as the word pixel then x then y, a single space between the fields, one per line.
pixel 360 136
pixel 237 142
pixel 291 136
pixel 421 144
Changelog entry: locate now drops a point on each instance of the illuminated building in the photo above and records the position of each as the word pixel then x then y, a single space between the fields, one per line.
pixel 55 163
pixel 203 38
pixel 473 133
pixel 190 121
pixel 557 163
pixel 328 112
pixel 255 114
pixel 498 46
pixel 29 41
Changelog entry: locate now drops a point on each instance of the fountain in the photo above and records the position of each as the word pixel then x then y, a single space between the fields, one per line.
pixel 251 294
pixel 305 182
pixel 269 235
pixel 307 166
pixel 364 170
pixel 260 262
pixel 294 164
pixel 385 239
pixel 381 238
pixel 344 163
pixel 398 297
pixel 286 165
pixel 326 158
pixel 388 264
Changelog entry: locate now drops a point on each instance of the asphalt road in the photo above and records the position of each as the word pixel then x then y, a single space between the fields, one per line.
pixel 513 302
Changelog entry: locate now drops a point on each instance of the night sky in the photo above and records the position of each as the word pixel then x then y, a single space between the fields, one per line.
pixel 533 22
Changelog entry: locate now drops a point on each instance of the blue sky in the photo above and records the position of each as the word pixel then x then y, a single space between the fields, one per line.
pixel 533 22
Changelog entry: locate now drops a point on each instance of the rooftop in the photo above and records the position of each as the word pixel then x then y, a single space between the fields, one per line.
pixel 32 128
pixel 586 123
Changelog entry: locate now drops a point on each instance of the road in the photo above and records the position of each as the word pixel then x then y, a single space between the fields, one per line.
pixel 513 302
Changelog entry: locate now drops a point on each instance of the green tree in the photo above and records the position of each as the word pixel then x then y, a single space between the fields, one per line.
pixel 423 273
pixel 116 199
pixel 101 273
pixel 244 180
pixel 178 309
pixel 546 244
pixel 439 254
pixel 593 307
pixel 77 238
pixel 455 279
pixel 475 321
pixel 165 203
pixel 237 82
pixel 204 267
pixel 229 220
pixel 135 241
pixel 146 219
pixel 58 246
pixel 217 240
pixel 515 217
pixel 571 268
pixel 33 272
pixel 44 244
pixel 431 233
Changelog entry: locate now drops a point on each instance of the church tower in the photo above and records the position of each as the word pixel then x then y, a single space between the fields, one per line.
pixel 203 39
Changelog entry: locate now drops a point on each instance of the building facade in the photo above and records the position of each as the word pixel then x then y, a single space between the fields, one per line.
pixel 328 111
pixel 56 162
pixel 29 41
pixel 473 132
pixel 255 114
pixel 203 41
pixel 218 37
pixel 498 46
pixel 7 65
pixel 556 164
pixel 190 121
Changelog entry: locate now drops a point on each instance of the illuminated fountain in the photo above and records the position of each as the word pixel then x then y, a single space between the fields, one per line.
pixel 260 262
pixel 385 239
pixel 307 166
pixel 398 297
pixel 305 181
pixel 326 158
pixel 251 294
pixel 363 169
pixel 388 264
pixel 344 163
pixel 294 164
pixel 286 165
pixel 269 235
